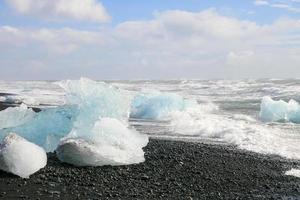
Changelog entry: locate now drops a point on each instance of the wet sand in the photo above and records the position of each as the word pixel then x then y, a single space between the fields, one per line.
pixel 172 170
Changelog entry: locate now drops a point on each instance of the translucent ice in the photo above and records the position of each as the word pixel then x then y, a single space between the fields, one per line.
pixel 279 111
pixel 95 119
pixel 15 116
pixel 156 105
pixel 109 143
pixel 20 157
pixel 100 133
pixel 46 128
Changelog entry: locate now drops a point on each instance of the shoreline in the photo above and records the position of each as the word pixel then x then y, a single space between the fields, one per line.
pixel 172 170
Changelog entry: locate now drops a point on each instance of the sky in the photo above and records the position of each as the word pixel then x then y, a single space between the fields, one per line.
pixel 157 39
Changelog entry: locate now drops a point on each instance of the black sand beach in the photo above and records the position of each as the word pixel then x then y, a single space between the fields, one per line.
pixel 172 170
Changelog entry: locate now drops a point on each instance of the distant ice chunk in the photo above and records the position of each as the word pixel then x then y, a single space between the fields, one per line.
pixel 156 105
pixel 279 111
pixel 20 157
pixel 15 116
pixel 293 172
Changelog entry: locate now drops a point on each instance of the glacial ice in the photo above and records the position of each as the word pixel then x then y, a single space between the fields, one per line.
pixel 109 143
pixel 20 157
pixel 279 111
pixel 100 134
pixel 93 123
pixel 46 128
pixel 15 116
pixel 156 105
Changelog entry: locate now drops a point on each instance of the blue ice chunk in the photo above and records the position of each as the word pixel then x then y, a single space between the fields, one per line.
pixel 100 134
pixel 95 100
pixel 15 116
pixel 156 106
pixel 46 125
pixel 279 111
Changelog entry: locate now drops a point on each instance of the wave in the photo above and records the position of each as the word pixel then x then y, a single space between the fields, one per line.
pixel 205 120
pixel 245 134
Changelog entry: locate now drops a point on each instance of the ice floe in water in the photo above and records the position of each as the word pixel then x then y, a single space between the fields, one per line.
pixel 157 105
pixel 279 111
pixel 20 157
pixel 293 172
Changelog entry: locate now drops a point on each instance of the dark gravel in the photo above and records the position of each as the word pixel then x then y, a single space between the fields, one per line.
pixel 173 170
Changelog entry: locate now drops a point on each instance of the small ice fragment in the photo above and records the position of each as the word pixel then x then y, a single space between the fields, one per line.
pixel 15 116
pixel 20 157
pixel 293 172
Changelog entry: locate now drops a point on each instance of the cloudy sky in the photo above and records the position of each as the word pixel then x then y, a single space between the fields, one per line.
pixel 141 39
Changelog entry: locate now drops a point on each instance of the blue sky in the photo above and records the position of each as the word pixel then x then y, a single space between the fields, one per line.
pixel 57 39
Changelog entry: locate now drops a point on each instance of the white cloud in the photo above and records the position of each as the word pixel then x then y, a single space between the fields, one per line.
pixel 58 41
pixel 88 10
pixel 287 5
pixel 261 3
pixel 280 5
pixel 173 44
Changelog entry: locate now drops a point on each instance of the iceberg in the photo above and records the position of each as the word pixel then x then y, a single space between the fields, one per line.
pixel 279 111
pixel 156 105
pixel 20 157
